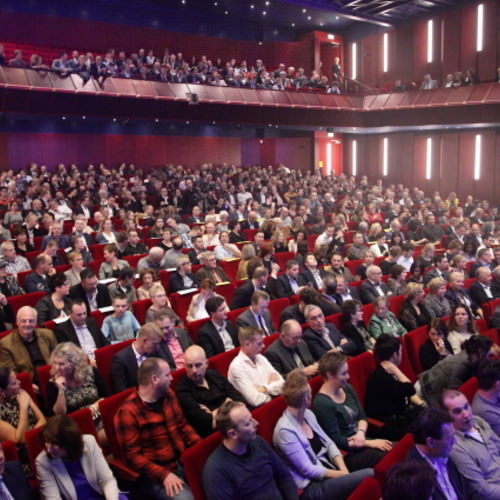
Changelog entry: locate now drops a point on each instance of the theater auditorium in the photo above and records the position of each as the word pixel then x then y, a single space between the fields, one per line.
pixel 250 250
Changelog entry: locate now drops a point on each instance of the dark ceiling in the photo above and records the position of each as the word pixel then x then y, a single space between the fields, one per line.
pixel 307 15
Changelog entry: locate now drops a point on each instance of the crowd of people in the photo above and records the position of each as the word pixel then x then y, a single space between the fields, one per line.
pixel 349 245
pixel 176 68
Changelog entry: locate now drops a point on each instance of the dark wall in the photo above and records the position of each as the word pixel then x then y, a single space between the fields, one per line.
pixel 454 47
pixel 453 161
pixel 20 149
pixel 86 35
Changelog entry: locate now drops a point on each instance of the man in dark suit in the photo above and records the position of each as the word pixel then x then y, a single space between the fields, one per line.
pixel 322 337
pixel 481 291
pixel 243 294
pixel 126 362
pixel 251 222
pixel 373 287
pixel 344 291
pixel 311 274
pixel 338 268
pixel 197 250
pixel 217 335
pixel 93 294
pixel 440 269
pixel 14 483
pixel 289 351
pixel 183 278
pixel 174 341
pixel 433 434
pixel 287 284
pixel 81 330
pixel 257 315
pixel 195 217
pixel 37 281
pixel 81 229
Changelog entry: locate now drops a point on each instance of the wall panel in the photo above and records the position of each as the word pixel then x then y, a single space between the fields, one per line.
pixel 453 161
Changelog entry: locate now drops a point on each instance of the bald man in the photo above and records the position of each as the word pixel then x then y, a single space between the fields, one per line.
pixel 201 392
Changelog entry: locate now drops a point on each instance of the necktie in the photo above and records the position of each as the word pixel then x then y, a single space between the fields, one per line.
pixel 4 493
pixel 262 324
pixel 297 360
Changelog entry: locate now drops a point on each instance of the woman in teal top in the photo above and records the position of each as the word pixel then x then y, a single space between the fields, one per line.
pixel 341 416
pixel 384 321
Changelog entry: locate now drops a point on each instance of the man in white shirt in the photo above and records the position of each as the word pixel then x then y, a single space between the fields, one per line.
pixel 325 238
pixel 251 373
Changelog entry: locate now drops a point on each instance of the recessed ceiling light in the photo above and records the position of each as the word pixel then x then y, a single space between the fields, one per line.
pixel 216 3
pixel 183 2
pixel 293 25
pixel 264 12
pixel 157 120
pixel 309 18
pixel 304 10
pixel 322 24
pixel 226 12
pixel 267 2
pixel 252 6
pixel 337 18
pixel 84 117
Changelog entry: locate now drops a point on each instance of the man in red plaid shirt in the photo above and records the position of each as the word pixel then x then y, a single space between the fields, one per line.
pixel 153 433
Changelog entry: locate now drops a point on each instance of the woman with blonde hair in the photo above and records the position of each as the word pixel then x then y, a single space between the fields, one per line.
pixel 375 229
pixel 160 302
pixel 278 240
pixel 247 252
pixel 106 233
pixel 459 264
pixel 413 311
pixel 75 259
pixel 75 383
pixel 313 458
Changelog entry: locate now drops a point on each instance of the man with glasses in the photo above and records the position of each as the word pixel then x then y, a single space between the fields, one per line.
pixel 373 287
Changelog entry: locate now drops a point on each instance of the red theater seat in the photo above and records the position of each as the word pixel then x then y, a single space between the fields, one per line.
pixel 368 489
pixel 413 341
pixel 470 388
pixel 360 368
pixel 221 362
pixel 194 459
pixel 108 407
pixel 276 307
pixel 393 457
pixel 230 267
pixel 104 356
pixel 28 299
pixel 193 327
pixel 181 302
pixel 140 308
pixel 267 415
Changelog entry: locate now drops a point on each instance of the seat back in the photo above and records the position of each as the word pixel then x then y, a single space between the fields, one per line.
pixel 194 459
pixel 335 319
pixel 226 290
pixel 97 251
pixel 139 308
pixel 368 489
pixel 481 325
pixel 267 415
pixel 282 258
pixel 395 304
pixel 10 450
pixel 405 365
pixel 134 259
pixel 234 313
pixel 353 265
pixel 276 306
pixel 469 388
pixel 194 326
pixel 181 302
pixel 108 408
pixel 43 374
pixel 395 456
pixel 28 299
pixel 413 341
pixel 221 362
pixel 104 356
pixel 315 383
pixel 489 308
pixel 21 277
pixel 492 334
pixel 230 267
pixel 26 383
pixel 360 368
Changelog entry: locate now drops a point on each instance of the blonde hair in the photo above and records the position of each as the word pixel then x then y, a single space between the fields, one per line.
pixel 76 357
pixel 413 289
pixel 435 284
pixel 155 288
